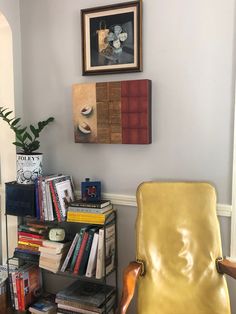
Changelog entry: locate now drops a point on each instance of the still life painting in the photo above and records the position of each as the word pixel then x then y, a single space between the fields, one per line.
pixel 111 38
pixel 112 112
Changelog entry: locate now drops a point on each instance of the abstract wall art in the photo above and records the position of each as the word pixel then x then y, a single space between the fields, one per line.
pixel 112 112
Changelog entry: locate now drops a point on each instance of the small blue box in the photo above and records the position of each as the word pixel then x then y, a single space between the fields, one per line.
pixel 91 190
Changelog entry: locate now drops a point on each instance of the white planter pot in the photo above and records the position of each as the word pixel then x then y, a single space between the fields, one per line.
pixel 28 167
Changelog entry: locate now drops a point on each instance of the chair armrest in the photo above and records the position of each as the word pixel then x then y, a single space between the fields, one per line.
pixel 130 277
pixel 226 266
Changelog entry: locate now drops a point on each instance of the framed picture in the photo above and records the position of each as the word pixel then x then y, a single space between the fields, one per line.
pixel 91 191
pixel 111 38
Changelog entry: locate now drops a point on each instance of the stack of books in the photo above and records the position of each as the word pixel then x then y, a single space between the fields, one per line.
pixel 86 297
pixel 25 286
pixel 53 195
pixel 90 212
pixel 45 305
pixel 52 255
pixel 30 239
pixel 86 254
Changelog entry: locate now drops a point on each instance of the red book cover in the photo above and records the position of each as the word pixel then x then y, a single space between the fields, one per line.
pixel 18 291
pixel 81 251
pixel 54 199
pixel 31 235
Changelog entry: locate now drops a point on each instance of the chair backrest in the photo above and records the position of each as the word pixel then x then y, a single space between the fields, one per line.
pixel 178 238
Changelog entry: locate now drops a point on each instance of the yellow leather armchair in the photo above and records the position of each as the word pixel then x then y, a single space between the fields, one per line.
pixel 179 266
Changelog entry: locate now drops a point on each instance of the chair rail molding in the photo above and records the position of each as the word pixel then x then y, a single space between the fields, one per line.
pixel 223 210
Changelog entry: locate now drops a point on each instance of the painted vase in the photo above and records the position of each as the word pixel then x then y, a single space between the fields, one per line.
pixel 28 167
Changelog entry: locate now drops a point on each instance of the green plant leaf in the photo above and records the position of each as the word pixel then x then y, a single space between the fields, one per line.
pixel 20 131
pixel 27 136
pixel 18 144
pixel 34 131
pixel 15 121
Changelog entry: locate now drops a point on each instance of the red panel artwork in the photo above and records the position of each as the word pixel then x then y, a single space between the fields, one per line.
pixel 119 112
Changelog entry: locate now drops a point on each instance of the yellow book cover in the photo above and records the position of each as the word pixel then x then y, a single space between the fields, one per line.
pixel 84 215
pixel 28 244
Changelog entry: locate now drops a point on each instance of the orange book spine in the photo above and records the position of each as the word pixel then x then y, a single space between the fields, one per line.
pixel 18 291
pixel 80 254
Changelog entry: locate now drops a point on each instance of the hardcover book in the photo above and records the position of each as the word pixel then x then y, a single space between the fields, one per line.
pixel 77 248
pixel 70 252
pixel 90 209
pixel 97 204
pixel 85 257
pixel 89 293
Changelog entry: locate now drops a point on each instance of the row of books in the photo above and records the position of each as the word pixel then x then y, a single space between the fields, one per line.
pixel 53 195
pixel 85 255
pixel 78 297
pixel 25 286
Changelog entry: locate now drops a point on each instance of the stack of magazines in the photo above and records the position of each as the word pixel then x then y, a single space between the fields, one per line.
pixel 86 297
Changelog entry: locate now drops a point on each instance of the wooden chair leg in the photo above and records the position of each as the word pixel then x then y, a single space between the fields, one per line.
pixel 130 277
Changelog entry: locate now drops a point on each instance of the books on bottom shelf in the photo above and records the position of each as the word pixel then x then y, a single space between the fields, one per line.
pixel 43 306
pixel 25 286
pixel 86 253
pixel 85 297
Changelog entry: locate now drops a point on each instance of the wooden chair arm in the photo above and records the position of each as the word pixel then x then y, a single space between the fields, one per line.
pixel 226 266
pixel 130 277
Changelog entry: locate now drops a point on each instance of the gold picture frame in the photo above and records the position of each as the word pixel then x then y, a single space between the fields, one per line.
pixel 111 38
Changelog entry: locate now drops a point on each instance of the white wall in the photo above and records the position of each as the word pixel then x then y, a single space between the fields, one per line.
pixel 11 97
pixel 188 51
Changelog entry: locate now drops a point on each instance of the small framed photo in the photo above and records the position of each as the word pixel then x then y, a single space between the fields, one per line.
pixel 91 191
pixel 111 38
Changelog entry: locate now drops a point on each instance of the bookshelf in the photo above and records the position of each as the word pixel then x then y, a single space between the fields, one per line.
pixel 71 229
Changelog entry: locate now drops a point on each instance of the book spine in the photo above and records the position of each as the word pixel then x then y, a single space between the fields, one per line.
pixel 14 275
pixel 69 254
pixel 55 201
pixel 81 251
pixel 49 201
pixel 18 291
pixel 84 260
pixel 31 235
pixel 37 198
pixel 89 210
pixel 91 205
pixel 40 197
pixel 44 201
pixel 22 290
pixel 100 255
pixel 91 267
pixel 76 251
pixel 27 249
pixel 88 221
pixel 81 215
pixel 70 309
pixel 28 244
pixel 32 241
pixel 11 291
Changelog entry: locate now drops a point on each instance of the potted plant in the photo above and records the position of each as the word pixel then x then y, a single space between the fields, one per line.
pixel 28 161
